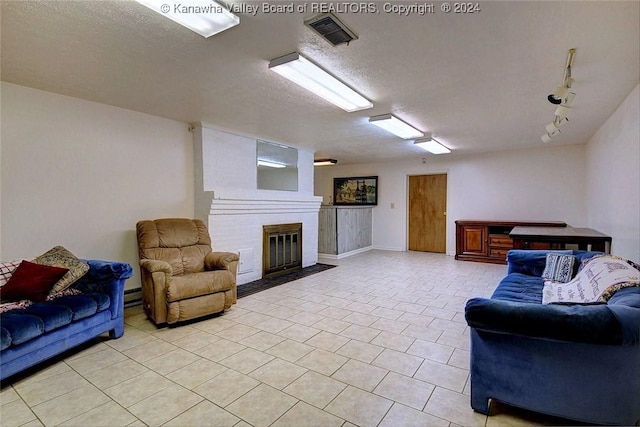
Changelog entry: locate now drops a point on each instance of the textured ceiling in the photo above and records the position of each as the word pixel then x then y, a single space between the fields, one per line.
pixel 477 81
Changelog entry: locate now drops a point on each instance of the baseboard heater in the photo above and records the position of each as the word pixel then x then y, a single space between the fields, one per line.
pixel 132 297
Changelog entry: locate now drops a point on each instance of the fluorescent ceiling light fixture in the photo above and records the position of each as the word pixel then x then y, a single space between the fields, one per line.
pixel 305 73
pixel 205 17
pixel 324 162
pixel 431 145
pixel 395 126
pixel 270 164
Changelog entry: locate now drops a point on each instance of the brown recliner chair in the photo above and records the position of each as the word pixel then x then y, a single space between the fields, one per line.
pixel 181 277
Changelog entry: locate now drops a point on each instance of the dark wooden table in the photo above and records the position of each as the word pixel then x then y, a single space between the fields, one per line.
pixel 558 237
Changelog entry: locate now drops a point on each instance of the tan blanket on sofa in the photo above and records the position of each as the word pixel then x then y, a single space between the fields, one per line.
pixel 599 278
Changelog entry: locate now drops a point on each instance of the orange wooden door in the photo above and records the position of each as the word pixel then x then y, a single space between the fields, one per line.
pixel 427 213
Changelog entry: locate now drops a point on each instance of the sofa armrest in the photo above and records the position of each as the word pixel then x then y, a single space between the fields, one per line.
pixel 109 278
pixel 220 261
pixel 155 266
pixel 591 324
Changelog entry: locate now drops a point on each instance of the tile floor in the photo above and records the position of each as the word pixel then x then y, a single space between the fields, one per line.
pixel 379 341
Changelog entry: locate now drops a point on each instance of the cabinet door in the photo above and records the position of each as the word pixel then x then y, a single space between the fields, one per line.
pixel 474 240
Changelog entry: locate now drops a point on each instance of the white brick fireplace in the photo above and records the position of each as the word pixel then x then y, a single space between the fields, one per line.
pixel 227 199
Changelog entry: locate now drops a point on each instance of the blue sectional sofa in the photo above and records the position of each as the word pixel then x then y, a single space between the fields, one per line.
pixel 580 362
pixel 46 329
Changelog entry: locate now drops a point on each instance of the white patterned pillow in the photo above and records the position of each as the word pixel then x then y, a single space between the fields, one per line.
pixel 559 267
pixel 6 270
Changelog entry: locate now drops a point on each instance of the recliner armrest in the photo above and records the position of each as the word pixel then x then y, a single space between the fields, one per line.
pixel 220 260
pixel 154 266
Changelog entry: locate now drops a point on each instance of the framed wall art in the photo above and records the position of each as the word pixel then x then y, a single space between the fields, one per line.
pixel 360 190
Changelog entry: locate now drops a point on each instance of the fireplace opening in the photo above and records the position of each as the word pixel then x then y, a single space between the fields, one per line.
pixel 281 248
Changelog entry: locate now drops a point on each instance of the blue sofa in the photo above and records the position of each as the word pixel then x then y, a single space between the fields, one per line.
pixel 580 362
pixel 43 330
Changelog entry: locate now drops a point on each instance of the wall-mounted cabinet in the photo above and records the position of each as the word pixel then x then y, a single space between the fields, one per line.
pixel 489 241
pixel 343 229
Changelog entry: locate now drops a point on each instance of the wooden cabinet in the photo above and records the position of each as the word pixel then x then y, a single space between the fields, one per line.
pixel 489 241
pixel 343 229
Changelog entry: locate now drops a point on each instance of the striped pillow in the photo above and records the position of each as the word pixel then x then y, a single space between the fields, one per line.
pixel 559 267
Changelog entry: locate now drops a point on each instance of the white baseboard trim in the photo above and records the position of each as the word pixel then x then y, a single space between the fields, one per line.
pixel 346 254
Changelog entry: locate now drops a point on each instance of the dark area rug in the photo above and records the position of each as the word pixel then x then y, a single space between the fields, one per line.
pixel 262 284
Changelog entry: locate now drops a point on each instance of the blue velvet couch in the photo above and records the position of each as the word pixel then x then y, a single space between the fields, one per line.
pixel 43 330
pixel 580 362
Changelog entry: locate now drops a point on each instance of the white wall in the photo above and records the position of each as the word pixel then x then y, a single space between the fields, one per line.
pixel 545 183
pixel 613 178
pixel 81 174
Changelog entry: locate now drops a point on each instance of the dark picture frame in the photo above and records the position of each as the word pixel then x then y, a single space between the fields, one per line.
pixel 355 191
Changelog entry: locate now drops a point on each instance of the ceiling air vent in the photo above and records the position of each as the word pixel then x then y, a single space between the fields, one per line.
pixel 331 29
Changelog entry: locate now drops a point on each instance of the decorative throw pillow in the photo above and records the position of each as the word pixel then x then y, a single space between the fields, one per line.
pixel 559 267
pixel 6 270
pixel 61 257
pixel 31 281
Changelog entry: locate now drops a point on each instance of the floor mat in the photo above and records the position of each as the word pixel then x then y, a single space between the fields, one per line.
pixel 262 284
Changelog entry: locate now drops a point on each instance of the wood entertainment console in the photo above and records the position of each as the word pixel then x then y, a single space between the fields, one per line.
pixel 489 241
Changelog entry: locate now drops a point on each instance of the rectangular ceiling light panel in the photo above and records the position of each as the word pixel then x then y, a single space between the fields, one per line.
pixel 205 17
pixel 432 146
pixel 305 73
pixel 395 126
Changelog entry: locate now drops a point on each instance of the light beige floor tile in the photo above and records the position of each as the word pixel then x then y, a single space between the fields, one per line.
pixel 393 326
pixel 460 359
pixel 311 307
pixel 196 373
pixel 132 338
pixel 361 375
pixel 172 333
pixel 361 319
pixel 262 340
pixel 359 350
pixel 115 374
pixel 442 375
pixel 262 406
pixel 359 407
pixel 278 373
pixel 305 318
pixel 409 307
pixel 8 395
pixel 336 302
pixel 327 341
pixel 96 360
pixel 290 350
pixel 237 332
pixel 216 324
pixel 247 360
pixel 274 325
pixel 322 361
pixel 298 332
pixel 335 312
pixel 16 413
pixel 171 361
pixel 196 340
pixel 108 414
pixel 251 318
pixel 387 313
pixel 430 350
pixel 305 415
pixel 360 333
pixel 416 319
pixel 384 302
pixel 164 405
pixel 219 350
pixel 396 361
pixel 424 333
pixel 401 415
pixel 64 407
pixel 455 339
pixel 149 350
pixel 454 407
pixel 330 325
pixel 204 413
pixel 41 374
pixel 138 388
pixel 315 388
pixel 226 387
pixel 405 390
pixel 36 392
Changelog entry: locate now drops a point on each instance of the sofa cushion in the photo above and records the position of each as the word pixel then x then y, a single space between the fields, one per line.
pixel 5 338
pixel 559 267
pixel 21 327
pixel 519 287
pixel 52 315
pixel 61 257
pixel 31 281
pixel 80 305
